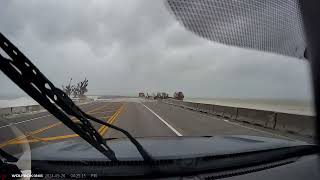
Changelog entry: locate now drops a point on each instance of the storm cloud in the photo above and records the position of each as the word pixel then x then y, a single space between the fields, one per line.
pixel 124 47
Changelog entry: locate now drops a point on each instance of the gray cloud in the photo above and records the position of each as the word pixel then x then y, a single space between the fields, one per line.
pixel 124 47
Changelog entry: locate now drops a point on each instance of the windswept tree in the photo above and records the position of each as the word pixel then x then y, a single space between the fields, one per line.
pixel 77 90
pixel 82 87
pixel 68 88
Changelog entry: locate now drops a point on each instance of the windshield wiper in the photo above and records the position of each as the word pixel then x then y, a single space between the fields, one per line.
pixel 29 78
pixel 7 156
pixel 7 164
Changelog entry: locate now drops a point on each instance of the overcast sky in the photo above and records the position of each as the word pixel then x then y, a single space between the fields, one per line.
pixel 123 47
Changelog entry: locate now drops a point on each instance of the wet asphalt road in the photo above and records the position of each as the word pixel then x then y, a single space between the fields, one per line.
pixel 142 118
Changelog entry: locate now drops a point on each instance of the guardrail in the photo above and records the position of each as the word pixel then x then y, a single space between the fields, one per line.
pixel 29 108
pixel 19 109
pixel 290 123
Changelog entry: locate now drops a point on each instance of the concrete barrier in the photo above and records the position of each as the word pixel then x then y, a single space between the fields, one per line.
pixel 224 111
pixel 193 106
pixel 229 112
pixel 298 124
pixel 208 108
pixel 201 107
pixel 29 108
pixel 32 108
pixel 211 107
pixel 218 110
pixel 204 108
pixel 5 111
pixel 186 105
pixel 19 109
pixel 257 117
pixel 174 102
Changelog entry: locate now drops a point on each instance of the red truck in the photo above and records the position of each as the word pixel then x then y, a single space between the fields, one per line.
pixel 178 96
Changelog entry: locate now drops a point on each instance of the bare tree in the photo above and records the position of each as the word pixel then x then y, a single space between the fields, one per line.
pixel 77 90
pixel 68 88
pixel 82 87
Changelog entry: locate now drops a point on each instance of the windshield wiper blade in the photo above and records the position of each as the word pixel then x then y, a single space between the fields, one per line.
pixel 29 78
pixel 7 156
pixel 8 164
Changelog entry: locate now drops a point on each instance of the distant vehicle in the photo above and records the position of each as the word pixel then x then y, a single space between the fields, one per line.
pixel 178 95
pixel 164 95
pixel 158 96
pixel 141 94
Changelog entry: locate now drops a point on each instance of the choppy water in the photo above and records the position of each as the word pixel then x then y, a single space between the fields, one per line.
pixel 288 106
pixel 22 101
pixel 304 107
pixel 19 101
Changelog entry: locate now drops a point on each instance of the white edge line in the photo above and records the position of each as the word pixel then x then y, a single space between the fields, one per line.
pixel 25 121
pixel 251 128
pixel 34 118
pixel 165 122
pixel 258 130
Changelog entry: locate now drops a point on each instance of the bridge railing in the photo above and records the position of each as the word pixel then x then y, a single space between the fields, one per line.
pixel 290 123
pixel 30 108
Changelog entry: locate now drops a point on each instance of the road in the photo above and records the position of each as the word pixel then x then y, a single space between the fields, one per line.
pixel 142 118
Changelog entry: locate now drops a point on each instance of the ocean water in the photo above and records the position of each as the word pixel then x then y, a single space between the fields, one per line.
pixel 303 107
pixel 17 101
pixel 14 101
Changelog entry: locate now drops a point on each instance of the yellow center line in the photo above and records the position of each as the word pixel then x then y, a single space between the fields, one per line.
pixel 37 139
pixel 105 117
pixel 100 112
pixel 105 128
pixel 20 138
pixel 29 134
pixel 58 137
pixel 108 120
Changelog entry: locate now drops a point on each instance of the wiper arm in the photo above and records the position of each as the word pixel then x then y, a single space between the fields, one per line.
pixel 7 163
pixel 7 156
pixel 29 78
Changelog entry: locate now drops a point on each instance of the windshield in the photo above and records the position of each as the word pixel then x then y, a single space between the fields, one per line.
pixel 140 66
